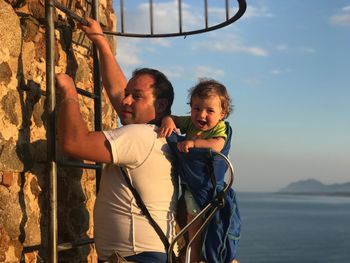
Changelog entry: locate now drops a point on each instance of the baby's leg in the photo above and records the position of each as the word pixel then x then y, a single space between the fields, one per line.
pixel 196 246
pixel 192 210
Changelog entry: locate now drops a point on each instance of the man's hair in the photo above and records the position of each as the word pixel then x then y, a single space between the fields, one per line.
pixel 163 89
pixel 209 87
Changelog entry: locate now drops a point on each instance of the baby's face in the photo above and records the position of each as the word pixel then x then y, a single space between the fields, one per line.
pixel 207 112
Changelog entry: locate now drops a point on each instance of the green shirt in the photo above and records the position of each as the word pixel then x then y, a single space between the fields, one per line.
pixel 186 126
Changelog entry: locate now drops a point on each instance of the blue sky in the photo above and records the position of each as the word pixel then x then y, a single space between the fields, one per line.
pixel 287 67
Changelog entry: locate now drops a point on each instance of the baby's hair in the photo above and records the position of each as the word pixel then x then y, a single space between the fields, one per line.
pixel 208 87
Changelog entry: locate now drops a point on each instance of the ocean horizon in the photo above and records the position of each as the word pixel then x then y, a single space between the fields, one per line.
pixel 285 228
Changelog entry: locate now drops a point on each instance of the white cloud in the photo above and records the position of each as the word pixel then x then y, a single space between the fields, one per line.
pixel 280 71
pixel 176 72
pixel 253 81
pixel 256 51
pixel 229 44
pixel 208 72
pixel 160 42
pixel 342 18
pixel 284 47
pixel 275 71
pixel 253 11
pixel 190 73
pixel 128 52
pixel 281 47
pixel 218 15
pixel 307 50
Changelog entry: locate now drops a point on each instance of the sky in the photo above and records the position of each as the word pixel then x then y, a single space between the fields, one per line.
pixel 286 65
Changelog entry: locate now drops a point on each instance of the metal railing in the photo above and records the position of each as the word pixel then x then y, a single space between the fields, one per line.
pixel 237 13
pixel 209 210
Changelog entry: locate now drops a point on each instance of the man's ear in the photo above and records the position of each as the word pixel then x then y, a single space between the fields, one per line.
pixel 161 105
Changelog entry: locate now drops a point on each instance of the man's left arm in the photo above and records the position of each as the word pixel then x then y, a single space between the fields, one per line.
pixel 113 77
pixel 73 135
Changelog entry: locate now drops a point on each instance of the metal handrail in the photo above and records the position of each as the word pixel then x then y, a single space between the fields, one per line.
pixel 214 206
pixel 242 6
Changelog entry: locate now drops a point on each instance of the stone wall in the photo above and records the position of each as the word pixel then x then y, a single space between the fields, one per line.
pixel 23 170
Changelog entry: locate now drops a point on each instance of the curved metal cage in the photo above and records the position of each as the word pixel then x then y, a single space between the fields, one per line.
pixel 211 209
pixel 237 13
pixel 227 20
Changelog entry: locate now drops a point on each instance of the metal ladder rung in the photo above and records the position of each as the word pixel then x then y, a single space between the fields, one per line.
pixel 80 165
pixel 70 13
pixel 70 245
pixel 79 90
pixel 32 248
pixel 87 93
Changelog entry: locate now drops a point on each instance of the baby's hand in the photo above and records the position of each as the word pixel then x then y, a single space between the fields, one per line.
pixel 167 127
pixel 184 146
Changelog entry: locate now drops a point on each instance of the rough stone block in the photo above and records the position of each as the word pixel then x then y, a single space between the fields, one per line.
pixel 5 73
pixel 10 30
pixel 9 160
pixel 9 104
pixel 30 27
pixel 7 179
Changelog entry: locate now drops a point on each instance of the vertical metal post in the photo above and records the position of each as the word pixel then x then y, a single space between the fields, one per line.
pixel 180 15
pixel 227 8
pixel 122 15
pixel 206 13
pixel 97 87
pixel 51 128
pixel 151 15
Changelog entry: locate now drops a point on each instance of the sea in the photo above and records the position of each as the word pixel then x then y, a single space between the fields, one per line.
pixel 285 228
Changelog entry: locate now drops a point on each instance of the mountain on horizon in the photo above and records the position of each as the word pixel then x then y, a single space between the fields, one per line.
pixel 315 186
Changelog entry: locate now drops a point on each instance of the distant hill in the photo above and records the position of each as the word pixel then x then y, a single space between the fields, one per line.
pixel 312 186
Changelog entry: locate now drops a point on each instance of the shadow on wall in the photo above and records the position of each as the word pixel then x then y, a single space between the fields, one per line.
pixel 73 217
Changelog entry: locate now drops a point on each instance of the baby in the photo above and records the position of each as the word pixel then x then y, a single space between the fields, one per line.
pixel 205 128
pixel 210 105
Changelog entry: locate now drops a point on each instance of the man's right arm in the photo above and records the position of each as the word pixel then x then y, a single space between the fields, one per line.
pixel 73 134
pixel 113 78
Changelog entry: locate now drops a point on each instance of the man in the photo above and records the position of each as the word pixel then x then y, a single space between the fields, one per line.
pixel 119 224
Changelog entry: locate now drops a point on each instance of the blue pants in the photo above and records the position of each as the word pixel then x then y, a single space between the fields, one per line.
pixel 147 257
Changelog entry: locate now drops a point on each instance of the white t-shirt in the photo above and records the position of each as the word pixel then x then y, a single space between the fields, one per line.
pixel 118 222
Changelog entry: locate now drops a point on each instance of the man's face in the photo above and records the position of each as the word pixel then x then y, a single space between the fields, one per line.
pixel 138 105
